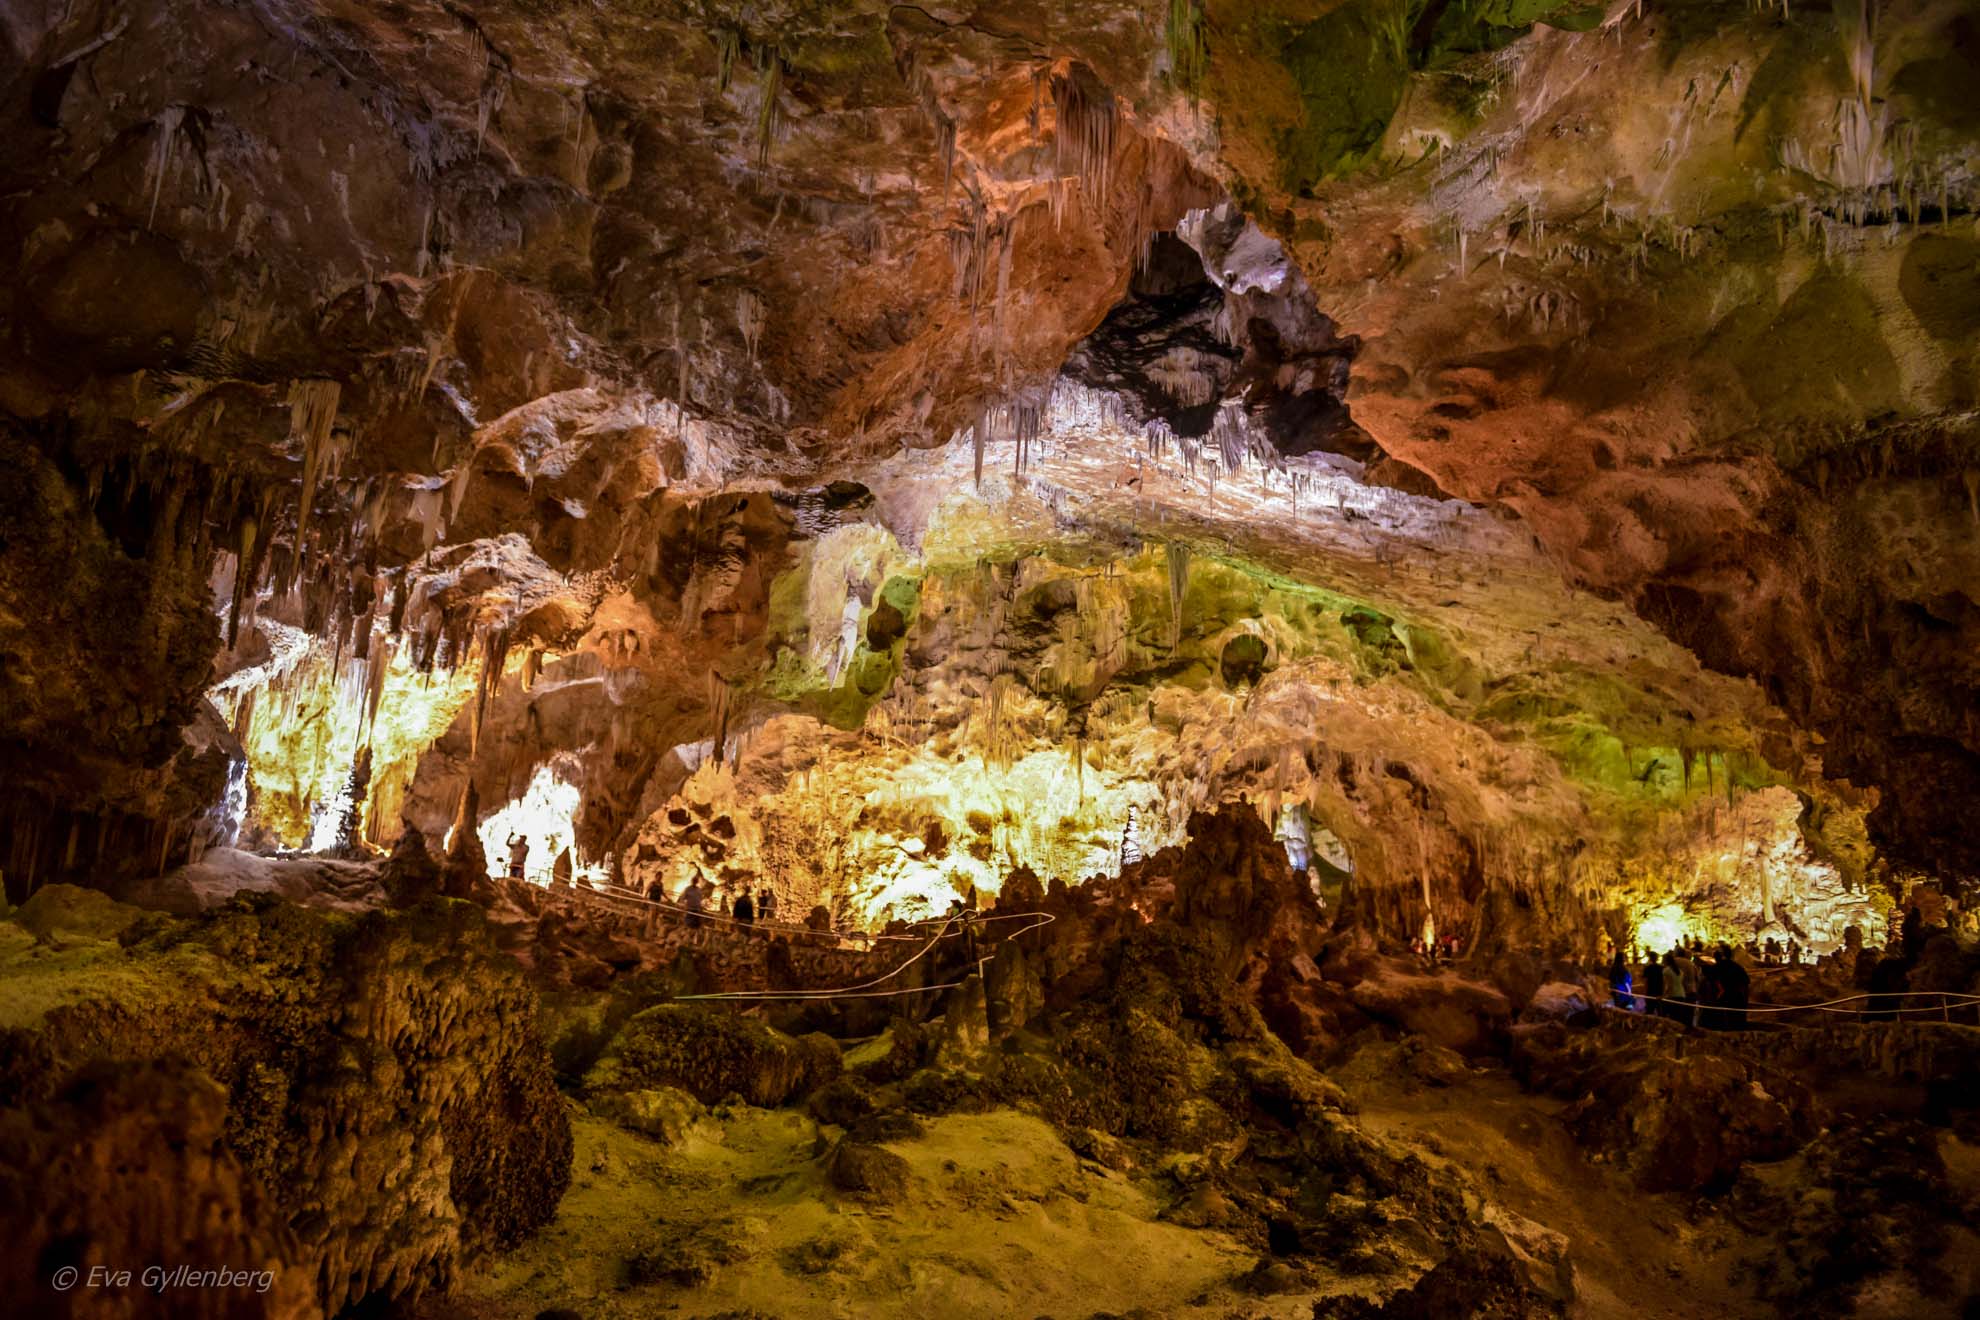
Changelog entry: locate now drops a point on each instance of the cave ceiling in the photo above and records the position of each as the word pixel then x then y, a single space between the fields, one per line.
pixel 1506 433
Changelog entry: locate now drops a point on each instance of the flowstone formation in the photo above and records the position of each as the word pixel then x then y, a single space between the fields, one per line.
pixel 356 1106
pixel 660 655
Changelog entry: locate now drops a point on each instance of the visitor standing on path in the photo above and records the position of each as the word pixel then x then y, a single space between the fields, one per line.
pixel 1619 981
pixel 1888 979
pixel 1677 989
pixel 1735 986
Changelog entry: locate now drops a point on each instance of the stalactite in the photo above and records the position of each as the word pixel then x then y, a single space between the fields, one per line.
pixel 719 696
pixel 1087 124
pixel 771 73
pixel 681 378
pixel 494 655
pixel 1178 588
pixel 396 621
pixel 728 44
pixel 243 574
pixel 375 691
pixel 312 414
pixel 1000 319
pixel 159 163
pixel 1189 51
pixel 749 320
pixel 945 145
pixel 978 436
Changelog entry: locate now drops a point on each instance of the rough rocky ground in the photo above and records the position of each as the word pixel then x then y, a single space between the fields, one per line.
pixel 996 1216
pixel 1186 1096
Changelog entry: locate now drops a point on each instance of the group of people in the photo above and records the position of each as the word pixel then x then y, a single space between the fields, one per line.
pixel 1684 986
pixel 744 909
pixel 1442 949
pixel 1887 974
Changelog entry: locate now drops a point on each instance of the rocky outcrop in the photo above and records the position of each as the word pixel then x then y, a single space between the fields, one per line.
pixel 1677 1114
pixel 387 1102
pixel 714 1054
pixel 1859 1219
pixel 1468 1016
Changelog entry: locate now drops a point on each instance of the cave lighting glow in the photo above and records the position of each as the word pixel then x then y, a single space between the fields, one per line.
pixel 1665 926
pixel 1061 824
pixel 546 814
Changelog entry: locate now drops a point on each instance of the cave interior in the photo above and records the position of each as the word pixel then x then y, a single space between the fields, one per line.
pixel 801 658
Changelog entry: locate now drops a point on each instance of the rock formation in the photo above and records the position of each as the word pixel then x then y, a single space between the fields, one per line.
pixel 362 1101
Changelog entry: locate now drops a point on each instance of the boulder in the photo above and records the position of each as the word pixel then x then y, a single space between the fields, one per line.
pixel 57 913
pixel 1675 1122
pixel 843 1101
pixel 1432 1064
pixel 712 1054
pixel 1097 1146
pixel 690 1259
pixel 1859 1220
pixel 868 1171
pixel 1558 1001
pixel 664 1113
pixel 1538 1255
pixel 1689 1124
pixel 1462 1015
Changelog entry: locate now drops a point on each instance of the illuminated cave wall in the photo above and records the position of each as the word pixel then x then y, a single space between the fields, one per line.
pixel 868 828
pixel 1006 692
pixel 1745 869
pixel 545 817
pixel 301 717
pixel 877 720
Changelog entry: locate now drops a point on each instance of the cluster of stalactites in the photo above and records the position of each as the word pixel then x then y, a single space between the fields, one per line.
pixel 1088 124
pixel 1020 417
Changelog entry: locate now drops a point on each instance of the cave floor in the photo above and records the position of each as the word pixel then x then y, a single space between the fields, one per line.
pixel 1636 1254
pixel 999 1219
